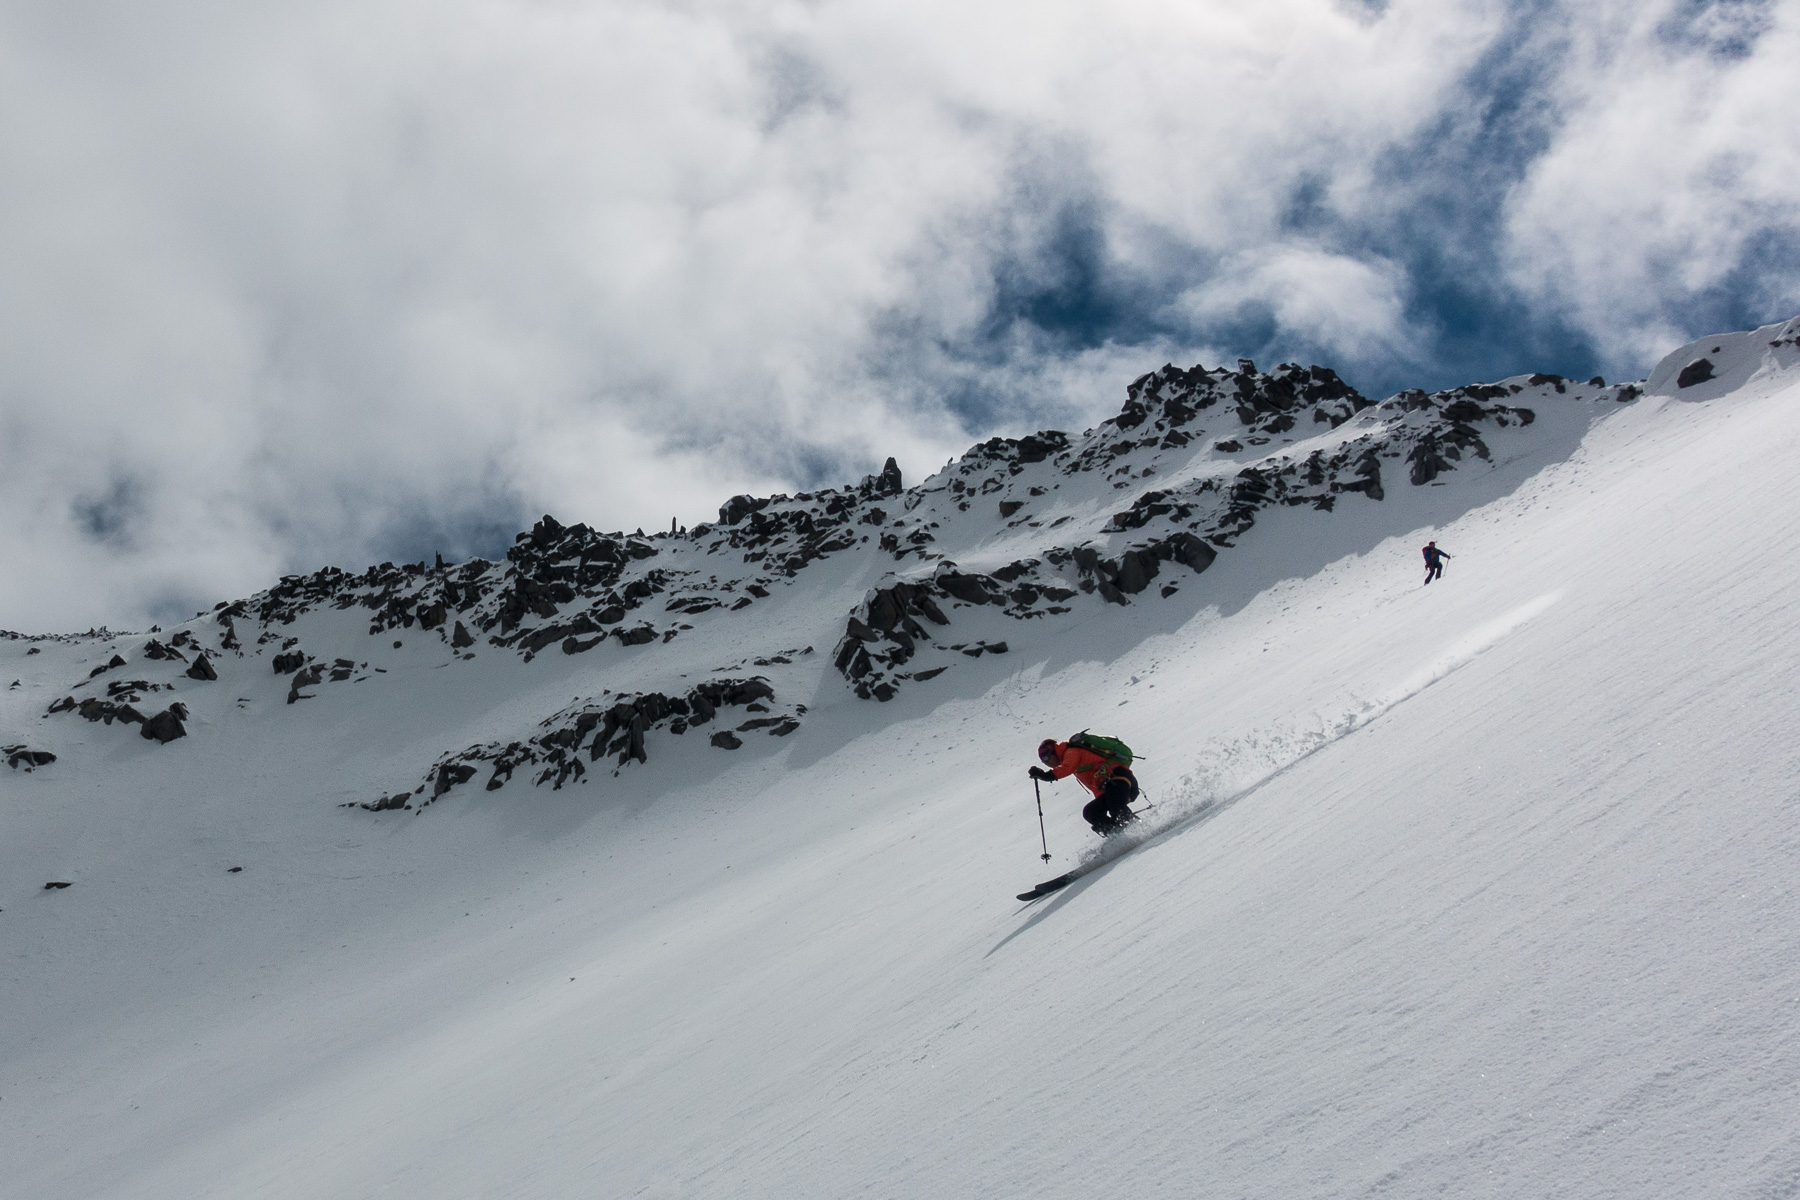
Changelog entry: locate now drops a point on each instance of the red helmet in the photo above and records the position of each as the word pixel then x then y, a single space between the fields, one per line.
pixel 1047 752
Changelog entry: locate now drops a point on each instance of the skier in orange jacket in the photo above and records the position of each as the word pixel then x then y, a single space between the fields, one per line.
pixel 1113 785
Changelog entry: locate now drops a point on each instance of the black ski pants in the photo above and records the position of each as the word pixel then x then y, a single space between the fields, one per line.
pixel 1111 809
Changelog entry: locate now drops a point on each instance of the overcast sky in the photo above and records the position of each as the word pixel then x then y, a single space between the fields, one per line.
pixel 292 284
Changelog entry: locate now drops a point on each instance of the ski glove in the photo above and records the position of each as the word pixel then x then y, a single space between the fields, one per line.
pixel 1040 773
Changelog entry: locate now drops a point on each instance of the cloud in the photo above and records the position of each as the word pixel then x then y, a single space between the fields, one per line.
pixel 290 284
pixel 1346 307
pixel 1670 198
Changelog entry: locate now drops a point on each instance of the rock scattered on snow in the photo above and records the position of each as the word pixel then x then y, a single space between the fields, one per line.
pixel 1698 371
pixel 166 725
pixel 21 757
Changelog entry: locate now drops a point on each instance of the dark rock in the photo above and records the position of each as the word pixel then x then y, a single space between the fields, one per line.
pixel 726 740
pixel 996 648
pixel 307 678
pixel 885 612
pixel 164 727
pixel 931 674
pixel 1135 572
pixel 642 635
pixel 449 775
pixel 612 614
pixel 577 646
pixel 773 724
pixel 102 669
pixel 972 589
pixel 748 691
pixel 95 709
pixel 1369 468
pixel 460 637
pixel 1596 381
pixel 233 870
pixel 739 507
pixel 1184 548
pixel 57 884
pixel 1698 371
pixel 1228 446
pixel 433 615
pixel 202 670
pixel 285 663
pixel 1009 507
pixel 19 756
pixel 1426 461
pixel 888 483
pixel 398 800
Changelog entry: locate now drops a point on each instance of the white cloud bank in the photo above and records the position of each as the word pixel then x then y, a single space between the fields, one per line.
pixel 289 284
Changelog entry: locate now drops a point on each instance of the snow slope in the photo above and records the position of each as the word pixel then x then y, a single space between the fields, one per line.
pixel 1481 888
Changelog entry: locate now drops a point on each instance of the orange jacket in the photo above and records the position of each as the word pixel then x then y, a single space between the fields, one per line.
pixel 1091 769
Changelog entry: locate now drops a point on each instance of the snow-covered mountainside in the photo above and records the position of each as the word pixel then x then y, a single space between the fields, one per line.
pixel 1016 540
pixel 1480 886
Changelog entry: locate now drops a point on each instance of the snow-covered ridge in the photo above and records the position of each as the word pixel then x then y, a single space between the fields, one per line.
pixel 1007 544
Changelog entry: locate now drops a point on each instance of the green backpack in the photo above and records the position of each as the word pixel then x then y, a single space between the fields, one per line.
pixel 1111 749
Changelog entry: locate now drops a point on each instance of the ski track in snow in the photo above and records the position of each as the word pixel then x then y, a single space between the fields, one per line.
pixel 1221 772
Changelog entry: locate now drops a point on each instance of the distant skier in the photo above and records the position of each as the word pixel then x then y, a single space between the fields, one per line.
pixel 1103 765
pixel 1434 561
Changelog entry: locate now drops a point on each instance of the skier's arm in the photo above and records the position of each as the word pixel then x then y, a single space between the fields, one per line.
pixel 1076 761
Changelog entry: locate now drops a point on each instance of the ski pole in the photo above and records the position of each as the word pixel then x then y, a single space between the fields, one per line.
pixel 1041 835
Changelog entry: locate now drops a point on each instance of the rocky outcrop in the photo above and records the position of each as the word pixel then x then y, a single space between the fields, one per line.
pixel 1132 512
pixel 166 725
pixel 310 677
pixel 1698 371
pixel 24 758
pixel 887 640
pixel 618 730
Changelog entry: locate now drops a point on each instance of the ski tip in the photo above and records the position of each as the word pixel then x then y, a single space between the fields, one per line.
pixel 1050 885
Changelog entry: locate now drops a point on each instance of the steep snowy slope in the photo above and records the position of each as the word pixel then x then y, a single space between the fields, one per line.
pixel 1486 886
